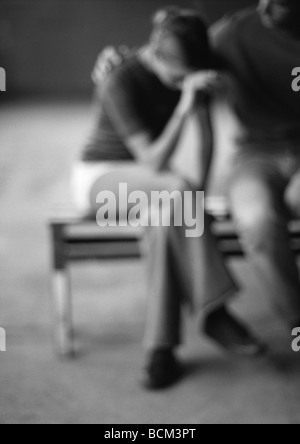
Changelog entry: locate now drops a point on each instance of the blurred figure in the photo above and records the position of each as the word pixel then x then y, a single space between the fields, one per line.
pixel 259 48
pixel 145 105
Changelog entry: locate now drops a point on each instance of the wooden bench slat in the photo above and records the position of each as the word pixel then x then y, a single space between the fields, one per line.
pixel 92 231
pixel 101 251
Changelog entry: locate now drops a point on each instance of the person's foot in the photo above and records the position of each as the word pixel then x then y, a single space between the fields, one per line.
pixel 231 334
pixel 162 370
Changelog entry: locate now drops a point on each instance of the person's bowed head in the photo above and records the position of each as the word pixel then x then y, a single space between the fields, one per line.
pixel 184 67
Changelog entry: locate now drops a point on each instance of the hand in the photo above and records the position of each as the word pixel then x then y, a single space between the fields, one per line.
pixel 203 81
pixel 107 60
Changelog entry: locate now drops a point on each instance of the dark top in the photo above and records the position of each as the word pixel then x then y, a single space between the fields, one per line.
pixel 260 63
pixel 133 100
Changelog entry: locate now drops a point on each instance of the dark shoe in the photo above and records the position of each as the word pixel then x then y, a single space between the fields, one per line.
pixel 161 371
pixel 232 335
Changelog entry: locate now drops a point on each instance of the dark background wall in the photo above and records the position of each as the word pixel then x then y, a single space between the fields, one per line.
pixel 49 46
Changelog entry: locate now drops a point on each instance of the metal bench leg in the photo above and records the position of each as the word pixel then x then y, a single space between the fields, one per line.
pixel 64 332
pixel 63 309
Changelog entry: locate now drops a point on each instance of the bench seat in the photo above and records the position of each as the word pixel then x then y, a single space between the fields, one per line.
pixel 76 237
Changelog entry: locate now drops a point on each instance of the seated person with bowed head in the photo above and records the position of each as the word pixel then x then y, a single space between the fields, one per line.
pixel 145 105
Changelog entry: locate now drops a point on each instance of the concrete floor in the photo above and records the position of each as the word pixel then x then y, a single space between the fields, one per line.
pixel 37 145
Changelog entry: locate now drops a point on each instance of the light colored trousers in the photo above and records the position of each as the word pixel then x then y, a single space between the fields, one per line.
pixel 265 196
pixel 181 270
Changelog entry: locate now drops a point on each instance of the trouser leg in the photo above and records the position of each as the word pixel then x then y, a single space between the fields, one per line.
pixel 183 271
pixel 260 211
pixel 164 293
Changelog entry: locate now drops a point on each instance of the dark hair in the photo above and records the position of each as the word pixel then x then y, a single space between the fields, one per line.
pixel 188 30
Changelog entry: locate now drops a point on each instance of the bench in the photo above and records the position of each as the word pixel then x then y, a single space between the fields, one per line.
pixel 75 237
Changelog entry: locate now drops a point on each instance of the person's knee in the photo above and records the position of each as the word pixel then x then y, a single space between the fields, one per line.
pixel 179 184
pixel 255 224
pixel 292 200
